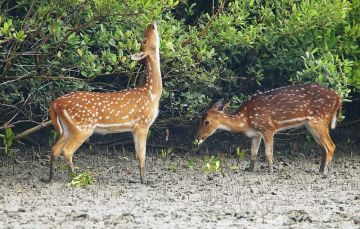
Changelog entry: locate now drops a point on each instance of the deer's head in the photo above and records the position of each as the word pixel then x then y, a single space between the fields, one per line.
pixel 150 43
pixel 211 121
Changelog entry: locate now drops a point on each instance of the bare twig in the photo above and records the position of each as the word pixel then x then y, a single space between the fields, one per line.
pixel 349 123
pixel 13 8
pixel 14 79
pixel 18 111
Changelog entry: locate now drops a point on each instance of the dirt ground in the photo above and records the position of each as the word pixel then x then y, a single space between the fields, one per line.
pixel 180 194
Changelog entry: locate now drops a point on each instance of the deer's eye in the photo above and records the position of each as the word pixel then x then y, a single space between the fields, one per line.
pixel 144 41
pixel 206 123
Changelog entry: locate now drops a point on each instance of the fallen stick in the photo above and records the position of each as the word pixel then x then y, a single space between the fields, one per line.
pixel 32 130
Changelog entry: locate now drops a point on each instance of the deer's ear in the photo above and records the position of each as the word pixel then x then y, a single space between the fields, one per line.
pixel 138 56
pixel 219 105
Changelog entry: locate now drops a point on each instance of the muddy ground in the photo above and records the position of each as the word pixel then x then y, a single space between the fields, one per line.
pixel 180 194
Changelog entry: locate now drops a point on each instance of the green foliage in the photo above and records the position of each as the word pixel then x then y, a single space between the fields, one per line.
pixel 44 43
pixel 231 52
pixel 328 70
pixel 81 180
pixel 212 164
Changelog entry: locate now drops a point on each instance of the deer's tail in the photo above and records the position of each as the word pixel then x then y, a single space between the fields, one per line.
pixel 336 115
pixel 55 119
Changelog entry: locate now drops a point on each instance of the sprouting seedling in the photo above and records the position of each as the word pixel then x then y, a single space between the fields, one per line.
pixel 197 142
pixel 211 164
pixel 191 163
pixel 166 152
pixel 81 180
pixel 240 153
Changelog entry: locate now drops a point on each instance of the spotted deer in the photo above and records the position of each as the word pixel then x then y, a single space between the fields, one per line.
pixel 265 114
pixel 76 116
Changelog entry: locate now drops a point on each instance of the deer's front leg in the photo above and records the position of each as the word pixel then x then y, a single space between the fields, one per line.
pixel 269 141
pixel 255 143
pixel 140 136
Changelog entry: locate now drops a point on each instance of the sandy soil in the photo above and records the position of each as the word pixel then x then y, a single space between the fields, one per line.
pixel 295 196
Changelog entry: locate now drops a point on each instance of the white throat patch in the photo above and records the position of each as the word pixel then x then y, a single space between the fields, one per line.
pixel 222 127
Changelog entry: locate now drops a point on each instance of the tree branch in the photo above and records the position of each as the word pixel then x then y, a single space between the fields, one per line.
pixel 12 79
pixel 32 130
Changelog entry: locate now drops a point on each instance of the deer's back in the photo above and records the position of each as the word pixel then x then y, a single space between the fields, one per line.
pixel 295 103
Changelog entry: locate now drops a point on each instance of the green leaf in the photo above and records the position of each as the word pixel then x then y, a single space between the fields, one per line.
pixel 59 54
pixel 133 64
pixel 84 73
pixel 79 52
pixel 109 68
pixel 120 53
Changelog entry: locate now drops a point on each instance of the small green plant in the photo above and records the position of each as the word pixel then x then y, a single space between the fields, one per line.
pixel 197 143
pixel 211 164
pixel 240 153
pixel 191 163
pixel 166 152
pixel 81 180
pixel 8 140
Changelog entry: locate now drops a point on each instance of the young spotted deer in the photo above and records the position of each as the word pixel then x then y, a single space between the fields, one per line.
pixel 76 116
pixel 309 105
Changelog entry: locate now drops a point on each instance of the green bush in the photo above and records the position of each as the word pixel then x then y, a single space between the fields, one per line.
pixel 328 70
pixel 48 48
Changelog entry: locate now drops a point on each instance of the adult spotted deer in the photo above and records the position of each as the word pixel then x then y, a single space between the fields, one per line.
pixel 309 105
pixel 76 116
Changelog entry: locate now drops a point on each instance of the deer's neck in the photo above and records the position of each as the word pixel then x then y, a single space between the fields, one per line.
pixel 153 78
pixel 234 123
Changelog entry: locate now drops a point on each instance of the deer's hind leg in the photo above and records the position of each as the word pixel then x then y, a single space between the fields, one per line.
pixel 255 143
pixel 269 143
pixel 56 150
pixel 320 133
pixel 73 143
